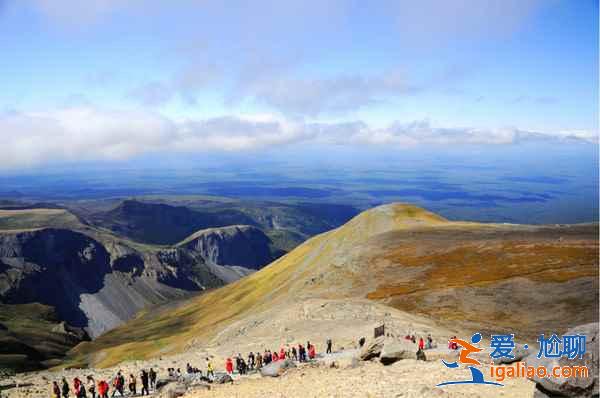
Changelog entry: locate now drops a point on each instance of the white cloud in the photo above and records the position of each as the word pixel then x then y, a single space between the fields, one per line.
pixel 325 95
pixel 89 133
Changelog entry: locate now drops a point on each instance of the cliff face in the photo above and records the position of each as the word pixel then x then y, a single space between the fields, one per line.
pixel 97 284
pixel 238 245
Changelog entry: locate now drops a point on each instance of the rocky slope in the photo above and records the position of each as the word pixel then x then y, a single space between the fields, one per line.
pixel 33 336
pixel 95 281
pixel 240 245
pixel 464 276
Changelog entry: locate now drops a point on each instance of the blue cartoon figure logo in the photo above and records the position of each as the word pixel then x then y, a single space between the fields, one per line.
pixel 464 359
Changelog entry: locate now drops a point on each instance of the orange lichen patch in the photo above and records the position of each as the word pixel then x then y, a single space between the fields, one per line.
pixel 471 265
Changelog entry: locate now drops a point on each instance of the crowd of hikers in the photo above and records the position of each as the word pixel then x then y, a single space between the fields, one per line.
pixel 422 344
pixel 255 361
pixel 240 364
pixel 101 389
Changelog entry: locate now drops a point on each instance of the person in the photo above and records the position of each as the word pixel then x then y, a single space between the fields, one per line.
pixel 429 342
pixel 152 378
pixel 329 344
pixel 91 383
pixel 188 368
pixel 294 353
pixel 210 371
pixel 282 354
pixel 243 366
pixel 311 352
pixel 259 360
pixel 421 355
pixel 421 344
pixel 251 359
pixel 453 344
pixel 65 388
pixel 103 389
pixel 55 390
pixel 238 362
pixel 413 339
pixel 77 388
pixel 144 378
pixel 274 356
pixel 132 384
pixel 229 366
pixel 178 373
pixel 361 342
pixel 300 353
pixel 119 384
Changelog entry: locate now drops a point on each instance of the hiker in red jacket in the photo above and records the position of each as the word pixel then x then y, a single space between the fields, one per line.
pixel 119 384
pixel 275 356
pixel 103 389
pixel 282 353
pixel 78 388
pixel 421 343
pixel 229 366
pixel 312 352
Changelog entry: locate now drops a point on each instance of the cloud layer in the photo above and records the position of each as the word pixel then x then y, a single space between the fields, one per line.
pixel 90 133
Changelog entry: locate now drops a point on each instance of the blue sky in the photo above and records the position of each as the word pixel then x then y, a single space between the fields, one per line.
pixel 116 79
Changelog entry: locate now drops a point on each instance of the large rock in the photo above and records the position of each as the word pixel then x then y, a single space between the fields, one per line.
pixel 343 360
pixel 573 386
pixel 277 368
pixel 160 383
pixel 395 350
pixel 372 349
pixel 222 378
pixel 173 390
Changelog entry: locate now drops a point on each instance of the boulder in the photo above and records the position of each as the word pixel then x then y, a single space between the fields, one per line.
pixel 347 359
pixel 160 383
pixel 195 379
pixel 222 378
pixel 349 362
pixel 372 349
pixel 395 350
pixel 277 368
pixel 519 354
pixel 172 390
pixel 573 386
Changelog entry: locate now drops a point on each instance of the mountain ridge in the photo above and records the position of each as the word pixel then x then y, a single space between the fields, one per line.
pixel 356 261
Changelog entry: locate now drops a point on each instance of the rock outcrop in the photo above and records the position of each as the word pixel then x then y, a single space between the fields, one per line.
pixel 395 350
pixel 372 349
pixel 236 245
pixel 277 368
pixel 576 386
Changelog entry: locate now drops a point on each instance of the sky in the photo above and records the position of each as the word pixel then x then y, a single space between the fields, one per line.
pixel 113 80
